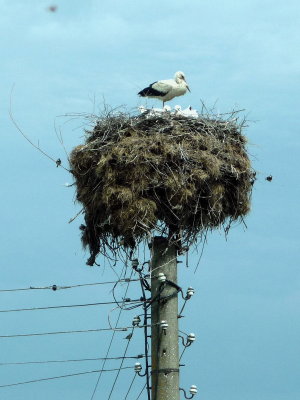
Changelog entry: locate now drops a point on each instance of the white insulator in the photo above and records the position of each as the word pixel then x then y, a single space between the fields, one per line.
pixel 161 277
pixel 193 389
pixel 190 292
pixel 137 367
pixel 191 338
pixel 164 325
pixel 135 263
pixel 136 320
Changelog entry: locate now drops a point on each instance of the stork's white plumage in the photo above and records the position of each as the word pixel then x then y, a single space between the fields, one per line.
pixel 166 90
pixel 154 111
pixel 187 112
pixel 190 112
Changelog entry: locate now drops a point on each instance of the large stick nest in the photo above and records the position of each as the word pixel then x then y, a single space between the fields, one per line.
pixel 176 175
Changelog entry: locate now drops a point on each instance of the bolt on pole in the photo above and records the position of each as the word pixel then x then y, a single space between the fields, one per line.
pixel 164 319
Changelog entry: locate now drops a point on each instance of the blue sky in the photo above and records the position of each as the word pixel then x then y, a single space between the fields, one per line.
pixel 245 312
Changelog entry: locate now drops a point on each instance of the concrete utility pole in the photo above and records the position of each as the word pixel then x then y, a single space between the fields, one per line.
pixel 164 341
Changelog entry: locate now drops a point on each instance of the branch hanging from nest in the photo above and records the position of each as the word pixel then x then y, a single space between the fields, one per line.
pixel 37 147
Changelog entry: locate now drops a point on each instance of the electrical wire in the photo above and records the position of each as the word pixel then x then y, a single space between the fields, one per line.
pixel 139 395
pixel 159 298
pixel 122 306
pixel 145 336
pixel 118 373
pixel 158 344
pixel 116 329
pixel 62 376
pixel 130 386
pixel 161 266
pixel 111 340
pixel 121 329
pixel 72 360
pixel 63 332
pixel 182 308
pixel 70 306
pixel 182 353
pixel 202 250
pixel 57 287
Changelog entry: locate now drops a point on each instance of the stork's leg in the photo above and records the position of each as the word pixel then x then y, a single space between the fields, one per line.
pixel 163 104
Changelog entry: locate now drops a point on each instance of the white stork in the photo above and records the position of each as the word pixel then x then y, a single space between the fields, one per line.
pixel 166 90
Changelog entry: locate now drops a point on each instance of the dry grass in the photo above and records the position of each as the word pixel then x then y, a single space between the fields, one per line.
pixel 176 175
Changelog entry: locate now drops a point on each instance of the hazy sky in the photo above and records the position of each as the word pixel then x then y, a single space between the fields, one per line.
pixel 245 313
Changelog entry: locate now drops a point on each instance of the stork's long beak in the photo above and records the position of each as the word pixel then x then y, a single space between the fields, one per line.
pixel 188 88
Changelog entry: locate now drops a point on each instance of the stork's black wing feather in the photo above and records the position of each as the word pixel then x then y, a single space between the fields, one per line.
pixel 150 91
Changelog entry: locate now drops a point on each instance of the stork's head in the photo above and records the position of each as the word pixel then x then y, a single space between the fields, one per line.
pixel 180 78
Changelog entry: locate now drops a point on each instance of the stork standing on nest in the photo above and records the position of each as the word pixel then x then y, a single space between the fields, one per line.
pixel 166 90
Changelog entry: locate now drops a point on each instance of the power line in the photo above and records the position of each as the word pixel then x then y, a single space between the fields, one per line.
pixel 182 353
pixel 121 329
pixel 141 392
pixel 72 360
pixel 70 306
pixel 119 370
pixel 63 332
pixel 130 337
pixel 112 337
pixel 142 282
pixel 130 386
pixel 62 376
pixel 58 287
